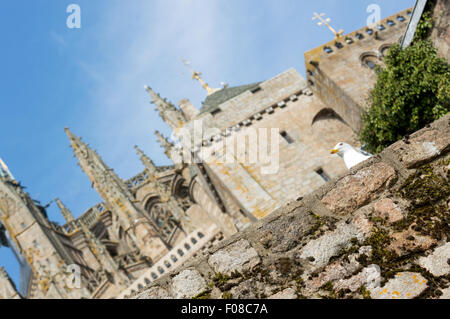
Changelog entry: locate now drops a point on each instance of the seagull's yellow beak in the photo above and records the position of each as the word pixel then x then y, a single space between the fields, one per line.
pixel 335 151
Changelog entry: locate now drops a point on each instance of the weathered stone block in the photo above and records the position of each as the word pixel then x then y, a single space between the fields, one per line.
pixel 405 285
pixel 319 251
pixel 386 208
pixel 353 283
pixel 295 227
pixel 423 147
pixel 188 284
pixel 356 190
pixel 240 256
pixel 154 293
pixel 408 241
pixel 445 293
pixel 288 293
pixel 438 262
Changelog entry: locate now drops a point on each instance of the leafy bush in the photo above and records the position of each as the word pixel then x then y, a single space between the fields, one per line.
pixel 411 92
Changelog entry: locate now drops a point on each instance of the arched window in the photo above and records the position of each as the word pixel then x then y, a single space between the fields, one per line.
pixel 193 241
pixel 384 49
pixel 187 246
pixel 180 252
pixel 174 259
pixel 161 270
pixel 369 60
pixel 140 287
pixel 329 127
pixel 200 235
pixel 167 264
pixel 147 281
pixel 162 217
pixel 154 276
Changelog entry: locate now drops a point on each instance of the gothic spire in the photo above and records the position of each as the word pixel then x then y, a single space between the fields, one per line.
pixel 148 163
pixel 165 143
pixel 168 112
pixel 65 211
pixel 119 198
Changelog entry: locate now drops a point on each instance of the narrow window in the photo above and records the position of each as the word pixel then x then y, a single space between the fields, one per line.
pixel 180 252
pixel 193 240
pixel 322 174
pixel 187 246
pixel 154 276
pixel 287 138
pixel 147 281
pixel 256 89
pixel 200 235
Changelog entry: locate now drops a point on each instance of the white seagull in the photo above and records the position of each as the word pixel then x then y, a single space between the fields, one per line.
pixel 351 156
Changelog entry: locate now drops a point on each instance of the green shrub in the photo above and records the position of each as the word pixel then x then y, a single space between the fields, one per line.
pixel 411 91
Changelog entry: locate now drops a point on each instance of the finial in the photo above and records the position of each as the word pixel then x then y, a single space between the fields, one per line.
pixel 148 163
pixel 69 133
pixel 164 143
pixel 326 22
pixel 64 211
pixel 196 76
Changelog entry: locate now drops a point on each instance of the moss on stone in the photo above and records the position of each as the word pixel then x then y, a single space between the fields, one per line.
pixel 428 193
pixel 365 293
pixel 227 295
pixel 206 294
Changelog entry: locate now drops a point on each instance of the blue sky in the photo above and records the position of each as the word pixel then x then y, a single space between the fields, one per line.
pixel 92 79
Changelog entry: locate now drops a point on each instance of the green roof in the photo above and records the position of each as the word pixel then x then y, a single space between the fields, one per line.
pixel 213 101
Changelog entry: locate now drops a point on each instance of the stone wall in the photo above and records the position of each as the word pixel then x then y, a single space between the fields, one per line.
pixel 441 30
pixel 391 211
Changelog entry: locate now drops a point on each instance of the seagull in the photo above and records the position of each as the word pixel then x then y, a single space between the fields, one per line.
pixel 351 156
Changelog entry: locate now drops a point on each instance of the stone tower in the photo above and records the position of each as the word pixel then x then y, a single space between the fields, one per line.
pixel 342 72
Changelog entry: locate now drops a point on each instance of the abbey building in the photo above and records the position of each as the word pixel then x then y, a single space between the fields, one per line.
pixel 165 216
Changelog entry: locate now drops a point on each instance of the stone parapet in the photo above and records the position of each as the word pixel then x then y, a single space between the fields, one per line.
pixel 379 231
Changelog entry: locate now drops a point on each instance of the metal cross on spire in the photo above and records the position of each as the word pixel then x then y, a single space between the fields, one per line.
pixel 326 22
pixel 196 76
